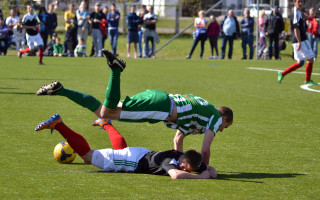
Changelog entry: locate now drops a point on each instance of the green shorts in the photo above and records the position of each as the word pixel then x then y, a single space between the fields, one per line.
pixel 149 106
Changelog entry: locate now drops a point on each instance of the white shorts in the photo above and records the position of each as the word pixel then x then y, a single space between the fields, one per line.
pixel 305 51
pixel 126 159
pixel 34 40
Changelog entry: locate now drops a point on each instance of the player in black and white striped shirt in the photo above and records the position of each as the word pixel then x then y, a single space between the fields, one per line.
pixel 30 22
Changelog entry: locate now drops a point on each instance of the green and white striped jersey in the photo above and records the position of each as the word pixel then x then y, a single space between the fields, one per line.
pixel 195 115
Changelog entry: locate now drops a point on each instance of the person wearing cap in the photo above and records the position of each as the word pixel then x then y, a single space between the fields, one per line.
pixel 273 27
pixel 95 20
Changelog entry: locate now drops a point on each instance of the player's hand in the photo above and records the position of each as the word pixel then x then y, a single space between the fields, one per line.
pixel 83 28
pixel 213 172
pixel 299 46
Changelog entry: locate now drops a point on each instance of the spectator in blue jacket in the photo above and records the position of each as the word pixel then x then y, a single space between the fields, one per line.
pixel 246 25
pixel 133 22
pixel 43 16
pixel 230 30
pixel 4 34
pixel 113 18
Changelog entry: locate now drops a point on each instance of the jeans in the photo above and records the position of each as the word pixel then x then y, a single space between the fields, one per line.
pixel 226 38
pixel 315 45
pixel 247 40
pixel 313 40
pixel 274 37
pixel 140 33
pixel 97 41
pixel 113 36
pixel 201 37
pixel 3 46
pixel 262 46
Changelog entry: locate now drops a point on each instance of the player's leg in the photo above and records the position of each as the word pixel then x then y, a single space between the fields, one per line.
pixel 117 141
pixel 40 45
pixel 30 43
pixel 77 142
pixel 84 100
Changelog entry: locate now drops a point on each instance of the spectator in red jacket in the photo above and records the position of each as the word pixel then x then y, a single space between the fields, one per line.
pixel 213 34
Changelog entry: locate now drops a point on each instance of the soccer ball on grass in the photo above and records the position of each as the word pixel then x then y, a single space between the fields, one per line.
pixel 63 153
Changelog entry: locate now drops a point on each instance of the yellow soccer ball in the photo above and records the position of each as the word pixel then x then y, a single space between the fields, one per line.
pixel 63 153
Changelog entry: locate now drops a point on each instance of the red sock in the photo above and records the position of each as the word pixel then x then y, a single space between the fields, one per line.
pixel 308 71
pixel 25 50
pixel 40 55
pixel 75 140
pixel 117 141
pixel 291 68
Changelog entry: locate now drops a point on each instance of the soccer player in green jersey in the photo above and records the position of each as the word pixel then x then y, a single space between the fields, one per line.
pixel 189 114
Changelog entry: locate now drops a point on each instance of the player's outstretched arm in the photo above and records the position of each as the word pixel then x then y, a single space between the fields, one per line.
pixel 180 174
pixel 205 151
pixel 178 141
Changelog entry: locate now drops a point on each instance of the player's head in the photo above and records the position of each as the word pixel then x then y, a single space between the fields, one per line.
pixel 29 9
pixel 190 161
pixel 227 117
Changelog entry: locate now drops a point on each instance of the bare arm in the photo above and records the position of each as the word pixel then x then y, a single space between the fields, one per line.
pixel 205 151
pixel 297 34
pixel 178 141
pixel 179 174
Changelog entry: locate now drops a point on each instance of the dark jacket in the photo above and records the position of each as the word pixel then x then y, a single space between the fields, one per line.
pixel 274 24
pixel 133 22
pixel 237 33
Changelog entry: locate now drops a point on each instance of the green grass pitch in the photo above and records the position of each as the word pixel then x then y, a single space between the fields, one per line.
pixel 271 151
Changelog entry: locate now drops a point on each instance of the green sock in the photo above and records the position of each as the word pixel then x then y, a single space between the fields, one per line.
pixel 113 90
pixel 84 100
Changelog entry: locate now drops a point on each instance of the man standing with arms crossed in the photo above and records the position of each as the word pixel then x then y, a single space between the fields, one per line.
pixel 301 46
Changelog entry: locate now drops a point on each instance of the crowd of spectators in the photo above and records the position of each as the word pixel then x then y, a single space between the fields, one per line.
pixel 79 24
pixel 101 24
pixel 274 27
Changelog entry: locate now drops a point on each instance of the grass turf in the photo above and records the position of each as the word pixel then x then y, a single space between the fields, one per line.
pixel 270 152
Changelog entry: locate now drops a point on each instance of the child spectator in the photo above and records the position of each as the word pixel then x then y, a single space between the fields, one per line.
pixel 19 35
pixel 49 49
pixel 213 34
pixel 80 50
pixel 57 48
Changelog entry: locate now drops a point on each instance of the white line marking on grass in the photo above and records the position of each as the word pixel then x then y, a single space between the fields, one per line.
pixel 306 87
pixel 277 70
